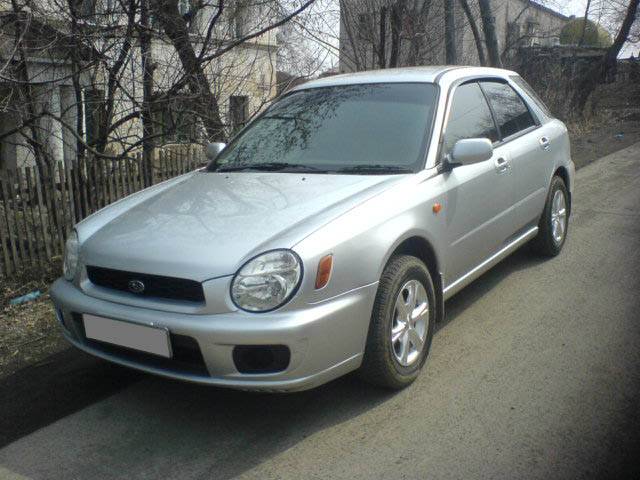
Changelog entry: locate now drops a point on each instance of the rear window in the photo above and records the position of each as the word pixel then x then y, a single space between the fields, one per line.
pixel 511 113
pixel 522 83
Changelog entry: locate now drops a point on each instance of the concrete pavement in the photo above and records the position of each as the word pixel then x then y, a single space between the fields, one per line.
pixel 534 374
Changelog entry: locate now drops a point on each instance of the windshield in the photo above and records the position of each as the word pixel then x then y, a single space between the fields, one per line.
pixel 371 128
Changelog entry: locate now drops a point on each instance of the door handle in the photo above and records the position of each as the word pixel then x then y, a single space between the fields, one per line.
pixel 544 143
pixel 502 165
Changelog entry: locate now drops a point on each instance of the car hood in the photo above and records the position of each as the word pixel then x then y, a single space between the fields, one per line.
pixel 204 225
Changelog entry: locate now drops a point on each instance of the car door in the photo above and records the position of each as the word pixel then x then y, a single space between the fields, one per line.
pixel 529 150
pixel 478 196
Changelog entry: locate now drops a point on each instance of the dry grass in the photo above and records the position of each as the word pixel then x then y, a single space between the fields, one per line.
pixel 29 332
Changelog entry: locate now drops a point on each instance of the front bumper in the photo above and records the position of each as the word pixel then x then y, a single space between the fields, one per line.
pixel 326 340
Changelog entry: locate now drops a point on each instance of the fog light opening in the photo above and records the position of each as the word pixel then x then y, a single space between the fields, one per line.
pixel 260 359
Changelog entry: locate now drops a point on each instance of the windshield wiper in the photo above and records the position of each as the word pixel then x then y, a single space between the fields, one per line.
pixel 376 169
pixel 271 167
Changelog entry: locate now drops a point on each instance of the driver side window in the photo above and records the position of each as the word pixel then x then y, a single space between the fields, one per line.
pixel 470 117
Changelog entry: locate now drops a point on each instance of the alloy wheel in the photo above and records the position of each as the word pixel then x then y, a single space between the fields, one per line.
pixel 410 323
pixel 558 217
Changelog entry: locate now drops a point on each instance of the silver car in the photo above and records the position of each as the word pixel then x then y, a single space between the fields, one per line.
pixel 326 237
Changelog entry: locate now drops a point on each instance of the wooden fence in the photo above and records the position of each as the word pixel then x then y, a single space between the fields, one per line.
pixel 38 207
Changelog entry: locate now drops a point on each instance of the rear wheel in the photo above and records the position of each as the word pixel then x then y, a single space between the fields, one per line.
pixel 554 222
pixel 402 324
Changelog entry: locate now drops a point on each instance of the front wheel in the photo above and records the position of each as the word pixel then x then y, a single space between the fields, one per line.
pixel 554 222
pixel 402 324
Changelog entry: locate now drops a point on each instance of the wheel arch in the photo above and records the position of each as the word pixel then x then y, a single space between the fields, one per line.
pixel 420 247
pixel 563 173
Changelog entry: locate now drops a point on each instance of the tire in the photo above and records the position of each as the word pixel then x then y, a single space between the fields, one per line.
pixel 546 243
pixel 383 360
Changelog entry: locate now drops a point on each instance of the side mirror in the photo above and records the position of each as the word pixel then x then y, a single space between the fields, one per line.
pixel 471 150
pixel 214 149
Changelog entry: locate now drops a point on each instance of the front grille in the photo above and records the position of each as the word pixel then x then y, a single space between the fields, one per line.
pixel 154 285
pixel 187 357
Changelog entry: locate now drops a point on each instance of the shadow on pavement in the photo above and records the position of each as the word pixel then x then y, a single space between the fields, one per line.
pixel 54 388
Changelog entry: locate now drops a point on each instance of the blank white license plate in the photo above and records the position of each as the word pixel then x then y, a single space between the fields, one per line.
pixel 130 335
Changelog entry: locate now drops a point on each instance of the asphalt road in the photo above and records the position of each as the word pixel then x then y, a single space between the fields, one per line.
pixel 534 374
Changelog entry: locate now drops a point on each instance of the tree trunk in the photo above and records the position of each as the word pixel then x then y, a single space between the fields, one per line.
pixel 420 20
pixel 489 27
pixel 206 104
pixel 397 12
pixel 474 30
pixel 599 72
pixel 147 94
pixel 450 33
pixel 382 39
pixel 584 23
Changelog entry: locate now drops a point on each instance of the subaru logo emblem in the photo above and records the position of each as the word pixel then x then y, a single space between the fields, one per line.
pixel 135 286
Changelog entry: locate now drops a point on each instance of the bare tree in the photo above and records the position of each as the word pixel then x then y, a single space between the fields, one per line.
pixel 488 25
pixel 602 69
pixel 450 32
pixel 473 25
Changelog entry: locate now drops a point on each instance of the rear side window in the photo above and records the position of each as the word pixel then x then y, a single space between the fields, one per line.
pixel 470 117
pixel 521 82
pixel 512 114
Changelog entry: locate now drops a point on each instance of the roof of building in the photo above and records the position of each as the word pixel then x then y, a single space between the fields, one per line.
pixel 427 74
pixel 548 10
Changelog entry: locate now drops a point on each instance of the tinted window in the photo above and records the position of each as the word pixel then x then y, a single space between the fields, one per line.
pixel 470 117
pixel 340 127
pixel 512 115
pixel 532 93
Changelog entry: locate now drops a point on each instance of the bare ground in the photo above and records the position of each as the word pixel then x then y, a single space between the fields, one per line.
pixel 28 332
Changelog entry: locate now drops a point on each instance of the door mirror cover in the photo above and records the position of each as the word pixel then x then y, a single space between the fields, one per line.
pixel 214 149
pixel 471 150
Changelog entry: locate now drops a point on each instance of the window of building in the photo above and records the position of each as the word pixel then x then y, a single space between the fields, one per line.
pixel 240 19
pixel 174 121
pixel 470 117
pixel 238 111
pixel 512 114
pixel 93 111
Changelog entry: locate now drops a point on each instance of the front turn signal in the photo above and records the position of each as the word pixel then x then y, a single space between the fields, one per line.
pixel 325 265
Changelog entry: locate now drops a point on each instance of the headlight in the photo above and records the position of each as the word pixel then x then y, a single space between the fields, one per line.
pixel 72 250
pixel 267 281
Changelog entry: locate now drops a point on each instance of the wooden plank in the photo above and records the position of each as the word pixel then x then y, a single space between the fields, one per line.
pixel 63 208
pixel 117 177
pixel 83 180
pixel 161 165
pixel 175 165
pixel 77 191
pixel 20 236
pixel 22 195
pixel 120 171
pixel 71 194
pixel 36 220
pixel 57 210
pixel 135 172
pixel 7 266
pixel 99 183
pixel 129 176
pixel 108 177
pixel 7 214
pixel 92 184
pixel 44 218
